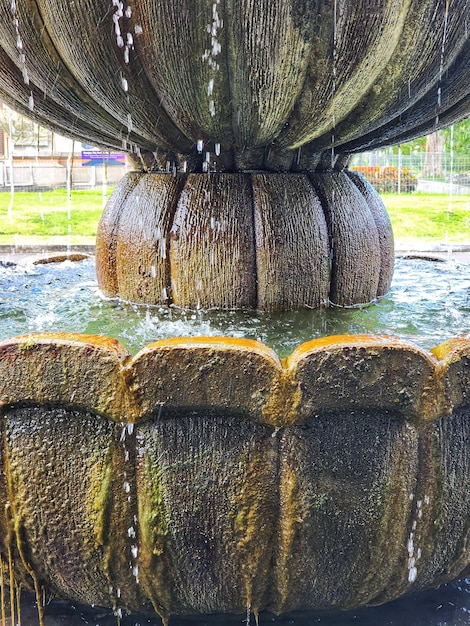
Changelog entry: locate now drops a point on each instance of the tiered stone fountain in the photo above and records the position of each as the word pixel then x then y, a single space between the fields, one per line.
pixel 206 475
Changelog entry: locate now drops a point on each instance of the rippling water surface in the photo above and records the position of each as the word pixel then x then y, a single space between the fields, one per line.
pixel 429 302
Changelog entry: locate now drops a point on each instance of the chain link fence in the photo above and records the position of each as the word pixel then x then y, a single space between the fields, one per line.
pixel 427 172
pixel 389 172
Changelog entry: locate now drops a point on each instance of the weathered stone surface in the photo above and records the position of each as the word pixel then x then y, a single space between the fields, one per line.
pixel 274 84
pixel 384 230
pixel 212 247
pixel 65 370
pixel 217 477
pixel 216 373
pixel 367 372
pixel 243 87
pixel 292 243
pixel 265 241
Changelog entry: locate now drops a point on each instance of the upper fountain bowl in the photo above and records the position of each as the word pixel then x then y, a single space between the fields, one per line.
pixel 237 85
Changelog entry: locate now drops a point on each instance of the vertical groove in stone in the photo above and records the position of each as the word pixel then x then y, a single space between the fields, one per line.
pixel 292 243
pixel 347 72
pixel 87 40
pixel 384 230
pixel 142 259
pixel 269 48
pixel 354 240
pixel 430 42
pixel 212 248
pixel 207 511
pixel 107 234
pixel 184 48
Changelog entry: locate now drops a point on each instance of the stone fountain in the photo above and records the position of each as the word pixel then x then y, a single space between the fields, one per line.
pixel 207 475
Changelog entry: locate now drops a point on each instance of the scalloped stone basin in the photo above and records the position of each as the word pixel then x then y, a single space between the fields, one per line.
pixel 206 475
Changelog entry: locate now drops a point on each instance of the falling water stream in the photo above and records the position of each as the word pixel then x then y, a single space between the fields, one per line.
pixel 429 302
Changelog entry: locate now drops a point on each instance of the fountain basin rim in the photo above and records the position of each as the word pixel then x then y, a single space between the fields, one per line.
pixel 223 375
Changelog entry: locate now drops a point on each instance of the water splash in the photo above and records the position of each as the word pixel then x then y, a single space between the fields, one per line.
pixel 442 58
pixel 428 303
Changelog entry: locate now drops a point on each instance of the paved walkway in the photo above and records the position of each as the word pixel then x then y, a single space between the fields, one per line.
pixel 10 255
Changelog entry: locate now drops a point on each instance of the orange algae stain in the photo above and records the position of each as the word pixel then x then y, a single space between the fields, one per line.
pixel 37 587
pixel 253 524
pixel 453 349
pixel 284 400
pixel 2 592
pixel 154 558
pixel 336 342
pixel 289 521
pixel 217 343
pixel 97 342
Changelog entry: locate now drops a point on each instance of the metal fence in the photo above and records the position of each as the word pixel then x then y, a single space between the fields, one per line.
pixel 428 172
pixel 33 176
pixel 388 171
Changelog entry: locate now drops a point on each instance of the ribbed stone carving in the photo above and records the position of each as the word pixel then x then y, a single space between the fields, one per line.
pixel 244 88
pixel 204 475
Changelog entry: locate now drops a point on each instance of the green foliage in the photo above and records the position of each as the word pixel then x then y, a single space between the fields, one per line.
pixel 389 179
pixel 44 217
pixel 457 137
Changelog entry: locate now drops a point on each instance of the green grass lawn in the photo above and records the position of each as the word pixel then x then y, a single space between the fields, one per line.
pixel 429 217
pixel 44 217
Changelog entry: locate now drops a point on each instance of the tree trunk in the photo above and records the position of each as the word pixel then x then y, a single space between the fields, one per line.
pixel 435 146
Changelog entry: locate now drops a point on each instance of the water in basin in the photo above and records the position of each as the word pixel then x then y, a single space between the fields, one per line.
pixel 429 302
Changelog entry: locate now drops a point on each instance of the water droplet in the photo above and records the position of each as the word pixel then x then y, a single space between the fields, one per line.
pixel 412 574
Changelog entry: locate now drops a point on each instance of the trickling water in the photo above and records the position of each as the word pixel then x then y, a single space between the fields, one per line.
pixel 333 82
pixel 429 302
pixel 442 59
pixel 448 606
